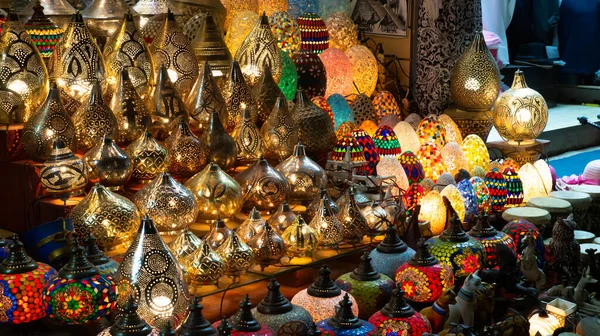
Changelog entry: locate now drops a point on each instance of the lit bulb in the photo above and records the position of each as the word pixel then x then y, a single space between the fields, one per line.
pixel 172 75
pixel 472 84
pixel 49 132
pixel 523 116
pixel 217 73
pixel 18 86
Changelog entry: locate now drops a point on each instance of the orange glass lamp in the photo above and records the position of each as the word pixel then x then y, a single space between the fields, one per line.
pixel 364 69
pixel 385 104
pixel 243 21
pixel 475 151
pixel 432 130
pixel 431 158
pixel 433 211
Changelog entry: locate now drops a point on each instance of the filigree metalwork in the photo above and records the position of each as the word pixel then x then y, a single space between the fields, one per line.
pixel 237 256
pixel 63 172
pixel 247 139
pixel 149 158
pixel 93 120
pixel 237 94
pixel 204 99
pixel 166 104
pixel 263 187
pixel 279 132
pixel 129 109
pixel 187 154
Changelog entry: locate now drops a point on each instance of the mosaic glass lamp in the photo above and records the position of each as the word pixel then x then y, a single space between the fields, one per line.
pixel 300 239
pixel 305 177
pixel 386 142
pixel 43 32
pixel 456 248
pixel 244 21
pixel 204 99
pixel 469 197
pixel 367 125
pixel 339 79
pixel 312 75
pixel 390 254
pixel 533 184
pixel 108 164
pixel 342 31
pixel 133 117
pixel 364 69
pixel 314 35
pixel 209 45
pixel 354 223
pixel 329 229
pixel 79 294
pixel 519 230
pixel 370 288
pixel 340 110
pixel 236 255
pixel 514 186
pixel 286 32
pixel 496 185
pixel 187 154
pixel 347 148
pixel 452 131
pixel 238 95
pixel 148 157
pixel 544 170
pixel 204 266
pixel 93 120
pixel 172 206
pixel 454 158
pixel 385 105
pixel 424 278
pixel 432 130
pixel 432 161
pixel 370 151
pixel 400 318
pixel 150 273
pixel 412 167
pixel 63 173
pixel 433 211
pixel 166 104
pixel 130 323
pixel 407 136
pixel 315 129
pixel 484 201
pixel 244 324
pixel 195 324
pixel 21 285
pixel 490 238
pixel 276 311
pixel 456 200
pixel 344 322
pixel 288 83
pixel 105 265
pixel 322 296
pixel 110 217
pixel 475 151
pixel 217 194
pixel 263 186
pixel 364 112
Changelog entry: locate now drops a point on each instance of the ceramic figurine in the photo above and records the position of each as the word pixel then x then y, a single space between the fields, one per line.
pixel 506 275
pixel 564 247
pixel 464 309
pixel 437 314
pixel 578 294
pixel 528 265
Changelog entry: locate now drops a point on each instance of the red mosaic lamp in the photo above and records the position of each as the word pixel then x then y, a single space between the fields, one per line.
pixel 412 167
pixel 43 32
pixel 519 230
pixel 348 144
pixel 490 238
pixel 514 187
pixel 423 278
pixel 399 318
pixel 386 142
pixel 244 323
pixel 313 32
pixel 496 185
pixel 21 286
pixel 370 151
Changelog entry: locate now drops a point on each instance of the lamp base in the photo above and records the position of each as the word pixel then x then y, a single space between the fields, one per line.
pixel 522 154
pixel 479 123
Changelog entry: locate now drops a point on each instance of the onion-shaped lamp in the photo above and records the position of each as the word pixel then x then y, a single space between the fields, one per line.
pixel 244 323
pixel 329 229
pixel 322 296
pixel 300 239
pixel 204 99
pixel 183 246
pixel 424 278
pixel 218 234
pixel 344 322
pixel 275 310
pixel 305 177
pixel 195 324
pixel 21 285
pixel 149 157
pixel 268 246
pixel 93 120
pixel 79 294
pixel 376 218
pixel 279 132
pixel 166 104
pixel 390 254
pixel 314 206
pixel 370 288
pixel 63 173
pixel 130 323
pixel 490 238
pixel 204 266
pixel 129 108
pixel 496 185
pixel 187 154
pixel 263 186
pixel 105 265
pixel 354 223
pixel 236 254
pixel 150 272
pixel 400 318
pixel 108 164
pixel 283 218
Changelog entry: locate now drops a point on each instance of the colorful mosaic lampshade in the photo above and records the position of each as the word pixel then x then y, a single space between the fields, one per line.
pixel 341 111
pixel 244 323
pixel 514 197
pixel 323 104
pixel 339 79
pixel 490 238
pixel 368 126
pixel 313 32
pixel 288 83
pixel 364 111
pixel 150 273
pixel 79 294
pixel 286 32
pixel 130 323
pixel 322 296
pixel 21 286
pixel 431 158
pixel 300 239
pixel 344 322
pixel 432 130
pixel 475 151
pixel 484 201
pixel 342 31
pixel 386 142
pixel 305 177
pixel 456 200
pixel 242 22
pixel 326 224
pixel 424 278
pixel 370 288
pixel 456 248
pixel 312 75
pixel 469 197
pixel 364 69
pixel 43 32
pixel 370 151
pixel 105 265
pixel 385 104
pixel 348 144
pixel 412 166
pixel 391 253
pixel 400 318
pixel 519 230
pixel 496 185
pixel 452 131
pixel 433 211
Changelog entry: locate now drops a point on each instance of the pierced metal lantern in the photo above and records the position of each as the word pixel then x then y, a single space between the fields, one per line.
pixel 43 32
pixel 263 187
pixel 173 50
pixel 247 139
pixel 204 99
pixel 266 93
pixel 217 194
pixel 286 32
pixel 376 217
pixel 187 154
pixel 105 265
pixel 490 238
pixel 204 266
pixel 104 17
pixel 370 288
pixel 21 285
pixel 133 117
pixel 424 278
pixel 398 317
pixel 279 132
pixel 354 223
pixel 313 32
pixel 166 104
pixel 63 172
pixel 496 185
pixel 127 50
pixel 315 129
pixel 149 157
pixel 305 177
pixel 209 45
pixel 312 76
pixel 220 146
pixel 313 208
pixel 275 310
pixel 24 82
pixel 172 206
pixel 183 246
pixel 283 218
pixel 110 217
pixel 328 227
pixel 152 275
pixel 51 122
pixel 238 95
pixel 130 322
pixel 93 120
pixel 195 324
pixel 300 239
pixel 390 254
pixel 244 324
pixel 251 226
pixel 108 164
pixel 218 234
pixel 344 322
pixel 79 294
pixel 322 296
pixel 236 254
pixel 268 246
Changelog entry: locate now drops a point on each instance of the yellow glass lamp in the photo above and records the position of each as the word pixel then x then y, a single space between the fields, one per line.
pixel 520 113
pixel 342 31
pixel 339 79
pixel 456 200
pixel 364 69
pixel 544 171
pixel 452 130
pixel 543 323
pixel 432 130
pixel 433 211
pixel 476 152
pixel 431 158
pixel 234 8
pixel 533 183
pixel 407 136
pixel 259 50
pixel 475 81
pixel 454 158
pixel 369 126
pixel 244 21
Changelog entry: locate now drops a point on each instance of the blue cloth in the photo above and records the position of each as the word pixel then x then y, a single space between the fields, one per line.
pixel 573 165
pixel 579 36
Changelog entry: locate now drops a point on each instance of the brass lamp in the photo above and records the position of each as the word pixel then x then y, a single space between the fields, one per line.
pixel 315 128
pixel 187 154
pixel 220 146
pixel 247 139
pixel 354 223
pixel 204 99
pixel 265 92
pixel 104 17
pixel 305 177
pixel 279 132
pixel 251 226
pixel 329 229
pixel 132 115
pixel 283 218
pixel 236 254
pixel 166 104
pixel 263 187
pixel 63 172
pixel 184 245
pixel 218 234
pixel 149 158
pixel 237 94
pixel 300 239
pixel 268 247
pixel 209 46
pixel 204 266
pixel 24 82
pixel 244 21
pixel 521 113
pixel 108 164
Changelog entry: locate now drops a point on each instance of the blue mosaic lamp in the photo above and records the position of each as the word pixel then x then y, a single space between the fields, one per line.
pixel 341 110
pixel 391 253
pixel 467 192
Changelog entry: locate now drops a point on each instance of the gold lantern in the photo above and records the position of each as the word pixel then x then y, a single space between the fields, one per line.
pixel 283 218
pixel 263 187
pixel 279 132
pixel 210 46
pixel 173 50
pixel 183 246
pixel 521 113
pixel 129 109
pixel 110 217
pixel 237 94
pixel 268 247
pixel 218 234
pixel 108 164
pixel 63 173
pixel 430 156
pixel 533 183
pixel 187 155
pixel 315 128
pixel 452 131
pixel 51 122
pixel 93 120
pixel 127 50
pixel 220 146
pixel 81 64
pixel 247 139
pixel 204 266
pixel 455 199
pixel 243 23
pixel 433 210
pixel 454 158
pixel 286 31
pixel 173 206
pixel 150 273
pixel 24 81
pixel 265 93
pixel 364 69
pixel 354 223
pixel 305 177
pixel 250 227
pixel 259 50
pixel 328 227
pixel 216 192
pixel 166 104
pixel 475 151
pixel 300 239
pixel 149 158
pixel 475 81
pixel 204 99
pixel 342 31
pixel 104 17
pixel 407 137
pixel 236 254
